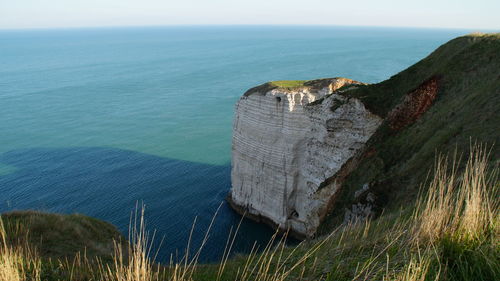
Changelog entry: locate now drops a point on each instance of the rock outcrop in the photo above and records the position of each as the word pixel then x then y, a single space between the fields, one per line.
pixel 287 149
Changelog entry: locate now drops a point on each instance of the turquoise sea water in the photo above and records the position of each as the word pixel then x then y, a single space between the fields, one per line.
pixel 95 120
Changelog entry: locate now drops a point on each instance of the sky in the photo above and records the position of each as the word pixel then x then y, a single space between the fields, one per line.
pixel 468 14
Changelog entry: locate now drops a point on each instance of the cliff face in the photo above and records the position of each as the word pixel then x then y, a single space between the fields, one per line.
pixel 285 148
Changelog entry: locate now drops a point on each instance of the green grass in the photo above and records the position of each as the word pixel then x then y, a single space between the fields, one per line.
pixel 284 85
pixel 461 61
pixel 289 84
pixel 60 236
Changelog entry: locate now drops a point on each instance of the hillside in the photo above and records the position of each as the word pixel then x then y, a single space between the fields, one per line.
pixel 464 111
pixel 61 236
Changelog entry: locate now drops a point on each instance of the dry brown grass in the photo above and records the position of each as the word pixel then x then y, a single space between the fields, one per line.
pixel 277 262
pixel 135 263
pixel 416 269
pixel 463 206
pixel 17 263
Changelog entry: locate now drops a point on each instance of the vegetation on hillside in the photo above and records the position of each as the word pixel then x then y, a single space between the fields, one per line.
pixel 466 107
pixel 61 236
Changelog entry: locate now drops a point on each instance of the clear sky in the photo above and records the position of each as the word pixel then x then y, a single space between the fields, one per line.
pixel 470 14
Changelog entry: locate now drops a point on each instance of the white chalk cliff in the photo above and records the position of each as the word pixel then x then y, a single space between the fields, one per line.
pixel 286 151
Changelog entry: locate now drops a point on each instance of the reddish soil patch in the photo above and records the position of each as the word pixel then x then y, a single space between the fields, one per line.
pixel 415 103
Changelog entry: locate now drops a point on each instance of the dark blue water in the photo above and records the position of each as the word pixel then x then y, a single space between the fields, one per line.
pixel 95 120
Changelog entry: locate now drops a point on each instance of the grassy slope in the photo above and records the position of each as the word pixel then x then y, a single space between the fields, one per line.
pixel 465 109
pixel 60 236
pixel 452 236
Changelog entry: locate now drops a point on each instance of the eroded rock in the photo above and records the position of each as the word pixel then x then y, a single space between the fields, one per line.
pixel 285 149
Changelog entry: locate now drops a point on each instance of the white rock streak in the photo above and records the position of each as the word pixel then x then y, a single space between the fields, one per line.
pixel 284 149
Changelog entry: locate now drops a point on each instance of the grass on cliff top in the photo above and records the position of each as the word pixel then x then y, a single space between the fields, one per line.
pixel 451 234
pixel 60 236
pixel 283 84
pixel 289 85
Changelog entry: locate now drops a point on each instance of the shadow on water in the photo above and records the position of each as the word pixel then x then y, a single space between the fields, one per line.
pixel 107 183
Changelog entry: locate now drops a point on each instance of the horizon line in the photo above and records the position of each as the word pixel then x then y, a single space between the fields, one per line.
pixel 493 30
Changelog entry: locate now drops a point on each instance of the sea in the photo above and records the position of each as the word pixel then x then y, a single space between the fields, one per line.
pixel 102 121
